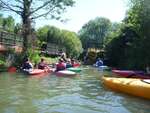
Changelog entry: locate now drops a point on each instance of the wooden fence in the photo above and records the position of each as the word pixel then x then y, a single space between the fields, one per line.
pixel 10 40
pixel 53 49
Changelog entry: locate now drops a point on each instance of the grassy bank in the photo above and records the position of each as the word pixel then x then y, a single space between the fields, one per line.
pixel 50 60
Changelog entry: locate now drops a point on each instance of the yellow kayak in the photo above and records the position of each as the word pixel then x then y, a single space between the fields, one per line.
pixel 136 87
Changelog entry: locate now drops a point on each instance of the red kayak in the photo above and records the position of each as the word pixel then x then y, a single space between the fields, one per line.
pixel 131 74
pixel 76 65
pixel 12 69
pixel 36 71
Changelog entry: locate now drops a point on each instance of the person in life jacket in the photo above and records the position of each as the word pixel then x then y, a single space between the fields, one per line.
pixel 68 63
pixel 27 65
pixel 99 62
pixel 61 65
pixel 42 64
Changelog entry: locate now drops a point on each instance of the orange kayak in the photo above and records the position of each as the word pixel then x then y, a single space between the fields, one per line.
pixel 37 71
pixel 133 86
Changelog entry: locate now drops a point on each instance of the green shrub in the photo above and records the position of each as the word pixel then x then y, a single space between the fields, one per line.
pixel 2 65
pixel 2 62
pixel 34 56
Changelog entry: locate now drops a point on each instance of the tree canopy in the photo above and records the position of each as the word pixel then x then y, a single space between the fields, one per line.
pixel 95 31
pixel 129 48
pixel 63 38
pixel 29 10
pixel 7 23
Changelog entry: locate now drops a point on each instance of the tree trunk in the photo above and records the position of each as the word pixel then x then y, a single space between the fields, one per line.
pixel 26 33
pixel 26 28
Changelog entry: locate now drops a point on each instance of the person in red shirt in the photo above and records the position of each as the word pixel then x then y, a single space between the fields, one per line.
pixel 61 65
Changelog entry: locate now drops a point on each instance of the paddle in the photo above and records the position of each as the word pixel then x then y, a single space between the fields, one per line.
pixel 146 81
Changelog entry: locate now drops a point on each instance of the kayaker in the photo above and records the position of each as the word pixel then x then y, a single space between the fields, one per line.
pixel 99 62
pixel 147 69
pixel 42 64
pixel 68 64
pixel 27 65
pixel 72 62
pixel 64 56
pixel 61 65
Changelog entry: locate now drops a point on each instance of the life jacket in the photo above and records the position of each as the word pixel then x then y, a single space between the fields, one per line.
pixel 27 65
pixel 41 65
pixel 60 66
pixel 68 65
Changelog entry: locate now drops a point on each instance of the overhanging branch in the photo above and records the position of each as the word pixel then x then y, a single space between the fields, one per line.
pixel 16 6
pixel 19 1
pixel 44 14
pixel 40 7
pixel 38 16
pixel 7 6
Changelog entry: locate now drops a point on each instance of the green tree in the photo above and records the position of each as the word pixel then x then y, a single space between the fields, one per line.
pixel 63 38
pixel 8 23
pixel 54 35
pixel 71 42
pixel 42 33
pixel 1 20
pixel 95 31
pixel 121 49
pixel 29 10
pixel 139 17
pixel 17 28
pixel 114 31
pixel 129 48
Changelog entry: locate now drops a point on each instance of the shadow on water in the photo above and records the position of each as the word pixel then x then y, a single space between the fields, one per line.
pixel 84 93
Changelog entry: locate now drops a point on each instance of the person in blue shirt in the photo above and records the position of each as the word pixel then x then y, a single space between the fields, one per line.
pixel 99 62
pixel 68 64
pixel 27 65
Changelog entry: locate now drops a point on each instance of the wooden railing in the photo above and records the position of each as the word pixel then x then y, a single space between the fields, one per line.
pixel 10 40
pixel 53 49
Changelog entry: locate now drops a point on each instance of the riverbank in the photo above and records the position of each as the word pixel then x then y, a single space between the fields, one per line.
pixel 4 67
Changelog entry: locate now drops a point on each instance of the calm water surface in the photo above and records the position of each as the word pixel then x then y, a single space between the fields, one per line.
pixel 84 93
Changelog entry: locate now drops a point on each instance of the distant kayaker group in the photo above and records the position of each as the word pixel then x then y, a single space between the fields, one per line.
pixel 62 64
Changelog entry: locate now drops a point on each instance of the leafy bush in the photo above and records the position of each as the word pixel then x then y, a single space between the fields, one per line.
pixel 34 56
pixel 2 62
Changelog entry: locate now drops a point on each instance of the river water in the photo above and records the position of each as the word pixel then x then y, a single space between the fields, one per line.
pixel 84 93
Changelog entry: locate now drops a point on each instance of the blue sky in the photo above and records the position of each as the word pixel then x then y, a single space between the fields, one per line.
pixel 85 10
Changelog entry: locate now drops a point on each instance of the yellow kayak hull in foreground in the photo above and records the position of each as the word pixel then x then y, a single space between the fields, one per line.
pixel 136 87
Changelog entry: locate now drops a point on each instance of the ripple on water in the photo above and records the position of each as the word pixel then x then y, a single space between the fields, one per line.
pixel 75 103
pixel 52 94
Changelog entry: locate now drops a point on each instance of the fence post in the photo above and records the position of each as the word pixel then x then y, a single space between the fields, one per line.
pixel 14 40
